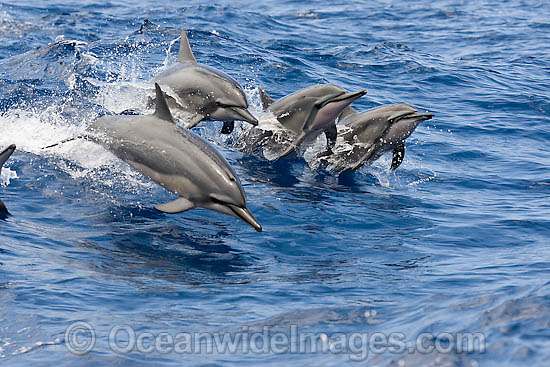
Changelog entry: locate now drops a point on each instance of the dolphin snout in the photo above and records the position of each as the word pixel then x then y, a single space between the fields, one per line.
pixel 350 96
pixel 244 115
pixel 417 117
pixel 426 116
pixel 245 215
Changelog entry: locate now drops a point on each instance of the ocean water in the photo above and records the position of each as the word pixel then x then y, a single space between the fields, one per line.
pixel 383 268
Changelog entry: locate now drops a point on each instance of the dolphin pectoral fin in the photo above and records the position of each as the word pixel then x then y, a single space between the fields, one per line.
pixel 292 147
pixel 398 156
pixel 176 206
pixel 331 133
pixel 228 127
pixel 368 155
pixel 194 121
pixel 161 109
pixel 186 54
pixel 265 98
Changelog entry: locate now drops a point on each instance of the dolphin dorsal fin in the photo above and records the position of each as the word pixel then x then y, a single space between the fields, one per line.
pixel 161 110
pixel 347 112
pixel 265 98
pixel 3 208
pixel 186 54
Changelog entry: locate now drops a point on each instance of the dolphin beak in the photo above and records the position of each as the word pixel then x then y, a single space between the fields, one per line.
pixel 425 116
pixel 245 115
pixel 349 97
pixel 245 215
pixel 418 117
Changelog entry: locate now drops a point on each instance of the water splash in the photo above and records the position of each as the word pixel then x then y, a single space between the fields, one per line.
pixel 7 175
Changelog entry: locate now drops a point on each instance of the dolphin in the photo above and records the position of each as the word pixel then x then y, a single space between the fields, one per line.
pixel 176 159
pixel 310 112
pixel 4 155
pixel 204 92
pixel 366 136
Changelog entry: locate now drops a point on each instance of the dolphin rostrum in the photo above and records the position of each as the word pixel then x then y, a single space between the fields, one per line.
pixel 310 112
pixel 176 159
pixel 368 135
pixel 4 155
pixel 204 92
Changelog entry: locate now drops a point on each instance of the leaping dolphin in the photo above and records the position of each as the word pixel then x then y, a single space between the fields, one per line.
pixel 176 159
pixel 4 155
pixel 204 92
pixel 368 135
pixel 310 112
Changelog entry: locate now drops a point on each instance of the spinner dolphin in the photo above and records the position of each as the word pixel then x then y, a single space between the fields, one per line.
pixel 304 115
pixel 203 92
pixel 364 137
pixel 176 159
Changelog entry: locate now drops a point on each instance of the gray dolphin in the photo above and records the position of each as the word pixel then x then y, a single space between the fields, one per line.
pixel 176 159
pixel 368 135
pixel 310 112
pixel 204 92
pixel 4 155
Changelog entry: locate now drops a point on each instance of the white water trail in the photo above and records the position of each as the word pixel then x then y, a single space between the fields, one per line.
pixel 31 128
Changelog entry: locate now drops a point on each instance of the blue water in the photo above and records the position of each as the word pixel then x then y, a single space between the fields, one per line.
pixel 456 240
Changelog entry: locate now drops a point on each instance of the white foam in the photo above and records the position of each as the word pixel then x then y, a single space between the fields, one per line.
pixel 32 129
pixel 122 95
pixel 7 175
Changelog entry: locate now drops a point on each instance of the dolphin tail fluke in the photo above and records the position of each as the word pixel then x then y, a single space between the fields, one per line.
pixel 186 54
pixel 161 109
pixel 398 156
pixel 246 216
pixel 6 153
pixel 176 206
pixel 265 98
